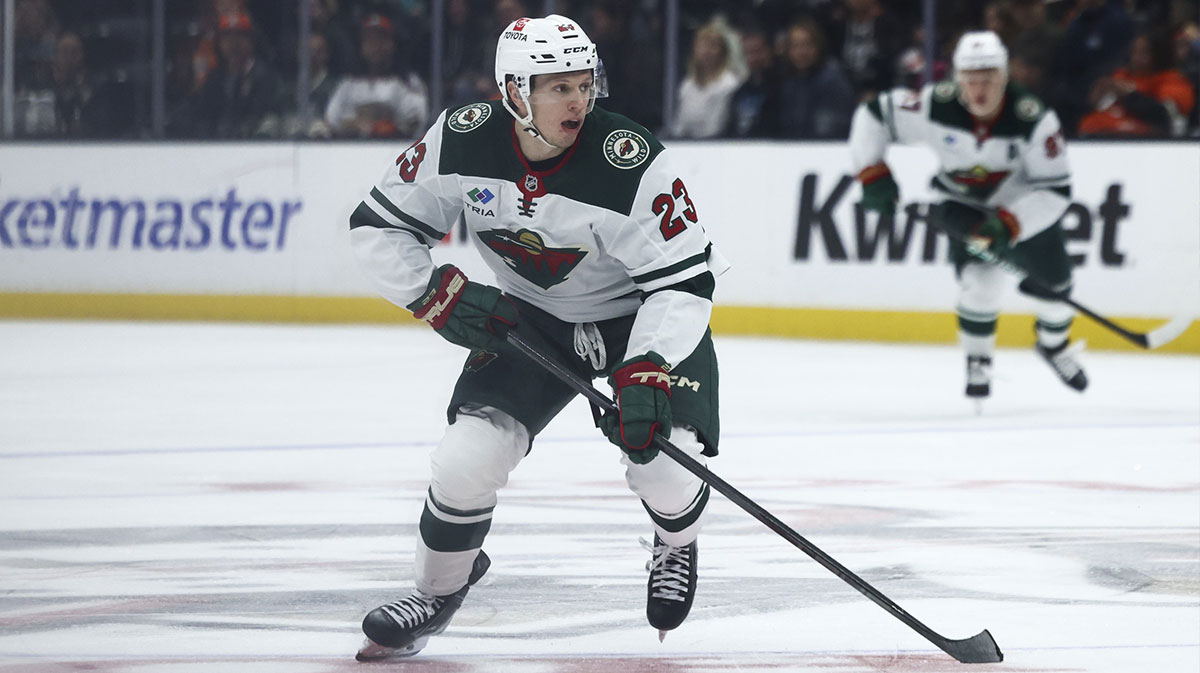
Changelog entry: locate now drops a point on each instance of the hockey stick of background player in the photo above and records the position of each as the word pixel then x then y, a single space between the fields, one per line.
pixel 1152 339
pixel 978 649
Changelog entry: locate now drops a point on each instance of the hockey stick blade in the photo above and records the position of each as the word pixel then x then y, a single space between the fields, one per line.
pixel 978 649
pixel 1170 331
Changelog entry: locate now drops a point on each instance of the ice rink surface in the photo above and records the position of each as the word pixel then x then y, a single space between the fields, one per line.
pixel 183 497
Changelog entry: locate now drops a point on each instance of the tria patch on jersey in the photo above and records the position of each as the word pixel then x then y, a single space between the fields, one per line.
pixel 481 199
pixel 625 149
pixel 470 117
pixel 526 253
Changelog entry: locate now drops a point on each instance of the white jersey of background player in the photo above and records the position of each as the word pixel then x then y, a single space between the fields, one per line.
pixel 599 251
pixel 1004 183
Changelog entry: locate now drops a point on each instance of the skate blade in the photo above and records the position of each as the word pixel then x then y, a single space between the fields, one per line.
pixel 372 651
pixel 978 402
pixel 662 635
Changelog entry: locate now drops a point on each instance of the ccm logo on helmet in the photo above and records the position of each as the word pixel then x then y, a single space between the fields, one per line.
pixel 574 50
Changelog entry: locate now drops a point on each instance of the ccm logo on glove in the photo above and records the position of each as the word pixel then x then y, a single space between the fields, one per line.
pixel 643 390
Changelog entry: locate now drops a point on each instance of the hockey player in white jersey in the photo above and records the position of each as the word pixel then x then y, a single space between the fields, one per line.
pixel 1004 183
pixel 600 258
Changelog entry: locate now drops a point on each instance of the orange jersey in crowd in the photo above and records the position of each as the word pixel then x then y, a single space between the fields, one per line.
pixel 1163 86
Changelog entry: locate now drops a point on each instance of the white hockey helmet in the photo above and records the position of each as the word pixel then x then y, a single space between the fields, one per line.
pixel 544 46
pixel 980 50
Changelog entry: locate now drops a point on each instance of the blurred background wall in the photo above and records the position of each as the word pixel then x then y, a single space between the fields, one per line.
pixel 199 159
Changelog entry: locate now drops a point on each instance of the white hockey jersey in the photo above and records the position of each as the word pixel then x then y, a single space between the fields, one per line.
pixel 1018 162
pixel 608 230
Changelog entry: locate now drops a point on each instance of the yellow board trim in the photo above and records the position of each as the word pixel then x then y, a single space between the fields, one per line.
pixel 833 324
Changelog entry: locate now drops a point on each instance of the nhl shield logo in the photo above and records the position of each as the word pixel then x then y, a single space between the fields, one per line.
pixel 531 183
pixel 470 117
pixel 625 149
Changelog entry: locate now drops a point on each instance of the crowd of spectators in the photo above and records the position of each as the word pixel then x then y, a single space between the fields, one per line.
pixel 785 69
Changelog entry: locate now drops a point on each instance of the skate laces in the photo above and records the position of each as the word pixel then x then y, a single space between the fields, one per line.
pixel 979 369
pixel 669 570
pixel 413 610
pixel 589 345
pixel 1064 360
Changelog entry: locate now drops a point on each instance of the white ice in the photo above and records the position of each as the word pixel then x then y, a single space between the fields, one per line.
pixel 195 497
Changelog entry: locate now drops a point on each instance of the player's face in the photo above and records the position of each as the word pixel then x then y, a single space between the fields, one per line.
pixel 982 90
pixel 560 103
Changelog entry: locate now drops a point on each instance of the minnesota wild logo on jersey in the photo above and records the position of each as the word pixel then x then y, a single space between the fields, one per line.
pixel 469 118
pixel 526 253
pixel 978 181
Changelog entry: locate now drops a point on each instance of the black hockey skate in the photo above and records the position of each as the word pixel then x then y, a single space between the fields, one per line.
pixel 672 584
pixel 1062 360
pixel 402 628
pixel 979 376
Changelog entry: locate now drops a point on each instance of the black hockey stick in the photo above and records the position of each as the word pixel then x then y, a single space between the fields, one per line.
pixel 1164 334
pixel 978 649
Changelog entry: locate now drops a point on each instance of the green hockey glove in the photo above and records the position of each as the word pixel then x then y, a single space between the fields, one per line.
pixel 879 190
pixel 998 230
pixel 643 391
pixel 469 314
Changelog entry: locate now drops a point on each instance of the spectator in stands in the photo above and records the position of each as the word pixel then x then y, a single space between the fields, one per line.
pixel 241 97
pixel 466 58
pixel 322 83
pixel 1094 43
pixel 73 89
pixel 1033 28
pixel 1187 55
pixel 505 12
pixel 339 41
pixel 1027 68
pixel 868 40
pixel 1032 47
pixel 705 93
pixel 816 98
pixel 35 26
pixel 383 102
pixel 754 109
pixel 629 37
pixel 34 46
pixel 1147 98
pixel 999 18
pixel 910 64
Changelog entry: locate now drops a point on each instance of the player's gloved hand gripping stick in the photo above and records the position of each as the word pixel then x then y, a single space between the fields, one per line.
pixel 980 648
pixel 879 189
pixel 643 406
pixel 465 313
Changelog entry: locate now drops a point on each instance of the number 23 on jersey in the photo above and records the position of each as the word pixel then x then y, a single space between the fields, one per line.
pixel 664 206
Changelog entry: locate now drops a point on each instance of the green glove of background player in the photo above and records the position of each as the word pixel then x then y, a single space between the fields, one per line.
pixel 643 391
pixel 998 230
pixel 879 190
pixel 468 314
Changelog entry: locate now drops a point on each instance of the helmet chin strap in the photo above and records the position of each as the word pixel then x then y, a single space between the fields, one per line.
pixel 526 121
pixel 532 130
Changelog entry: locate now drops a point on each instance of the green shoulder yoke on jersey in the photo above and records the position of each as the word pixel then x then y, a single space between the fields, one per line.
pixel 604 170
pixel 1021 113
pixel 477 141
